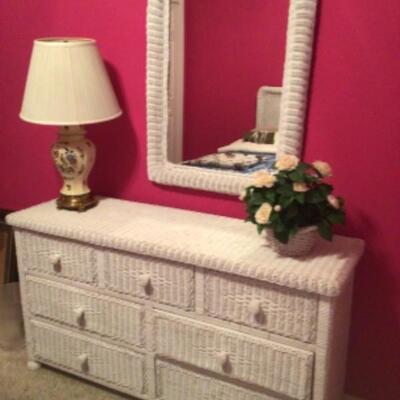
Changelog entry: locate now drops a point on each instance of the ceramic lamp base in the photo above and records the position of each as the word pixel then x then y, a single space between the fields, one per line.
pixel 76 203
pixel 74 155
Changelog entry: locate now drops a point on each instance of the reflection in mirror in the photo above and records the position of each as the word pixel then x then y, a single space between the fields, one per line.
pixel 213 76
pixel 227 66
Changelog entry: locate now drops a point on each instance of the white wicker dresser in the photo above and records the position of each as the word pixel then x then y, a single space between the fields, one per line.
pixel 169 304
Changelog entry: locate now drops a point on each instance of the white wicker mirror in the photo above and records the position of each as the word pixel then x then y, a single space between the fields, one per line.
pixel 164 117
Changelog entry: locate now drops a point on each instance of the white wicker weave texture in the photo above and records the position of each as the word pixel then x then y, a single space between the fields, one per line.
pixel 202 309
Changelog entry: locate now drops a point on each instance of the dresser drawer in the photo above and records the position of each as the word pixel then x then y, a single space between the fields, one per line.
pixel 50 255
pixel 145 277
pixel 91 312
pixel 282 369
pixel 174 383
pixel 85 357
pixel 261 305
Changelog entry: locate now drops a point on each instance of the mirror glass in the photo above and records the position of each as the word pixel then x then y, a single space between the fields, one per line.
pixel 225 85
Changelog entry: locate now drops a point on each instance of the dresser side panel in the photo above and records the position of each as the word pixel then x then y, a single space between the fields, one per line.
pixel 331 350
pixel 22 268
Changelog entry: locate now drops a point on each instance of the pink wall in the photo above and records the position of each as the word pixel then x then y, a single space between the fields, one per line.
pixel 353 122
pixel 230 52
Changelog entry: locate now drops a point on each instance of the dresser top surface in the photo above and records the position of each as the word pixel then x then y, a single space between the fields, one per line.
pixel 214 242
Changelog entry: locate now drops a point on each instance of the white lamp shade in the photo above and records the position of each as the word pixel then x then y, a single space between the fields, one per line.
pixel 68 84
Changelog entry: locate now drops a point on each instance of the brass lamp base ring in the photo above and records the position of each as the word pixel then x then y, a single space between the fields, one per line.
pixel 77 203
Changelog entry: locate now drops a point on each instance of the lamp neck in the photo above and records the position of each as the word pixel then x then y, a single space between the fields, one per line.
pixel 72 132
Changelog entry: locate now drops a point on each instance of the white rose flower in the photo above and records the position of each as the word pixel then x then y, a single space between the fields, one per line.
pixel 333 201
pixel 278 208
pixel 264 179
pixel 323 168
pixel 300 187
pixel 287 162
pixel 263 214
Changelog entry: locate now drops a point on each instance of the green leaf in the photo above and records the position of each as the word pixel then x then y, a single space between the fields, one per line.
pixel 256 198
pixel 274 216
pixel 292 211
pixel 325 230
pixel 270 196
pixel 302 167
pixel 277 224
pixel 301 198
pixel 285 190
pixel 281 178
pixel 260 228
pixel 336 218
pixel 293 230
pixel 314 197
pixel 252 209
pixel 310 179
pixel 325 189
pixel 296 176
pixel 282 236
pixel 285 201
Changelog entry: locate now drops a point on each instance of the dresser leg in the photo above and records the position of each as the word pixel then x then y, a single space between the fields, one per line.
pixel 33 365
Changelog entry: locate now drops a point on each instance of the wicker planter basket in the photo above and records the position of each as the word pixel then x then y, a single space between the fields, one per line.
pixel 299 245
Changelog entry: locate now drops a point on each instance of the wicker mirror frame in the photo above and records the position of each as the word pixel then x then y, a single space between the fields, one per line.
pixel 299 46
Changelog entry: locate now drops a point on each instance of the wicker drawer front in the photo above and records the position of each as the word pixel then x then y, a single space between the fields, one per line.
pixel 57 257
pixel 109 317
pixel 261 305
pixel 145 277
pixel 174 383
pixel 85 357
pixel 282 369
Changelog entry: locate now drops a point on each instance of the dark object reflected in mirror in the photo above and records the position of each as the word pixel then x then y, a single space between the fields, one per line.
pixel 260 136
pixel 8 261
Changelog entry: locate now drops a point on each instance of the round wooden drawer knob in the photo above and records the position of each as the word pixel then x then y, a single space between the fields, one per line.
pixel 55 260
pixel 79 315
pixel 255 308
pixel 145 281
pixel 222 359
pixel 83 361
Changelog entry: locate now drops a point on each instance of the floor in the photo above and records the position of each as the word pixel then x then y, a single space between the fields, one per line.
pixel 19 383
pixel 2 255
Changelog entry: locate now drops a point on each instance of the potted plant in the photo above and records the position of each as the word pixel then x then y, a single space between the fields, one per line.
pixel 293 204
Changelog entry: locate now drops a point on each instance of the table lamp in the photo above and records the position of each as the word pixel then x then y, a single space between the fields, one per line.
pixel 68 86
